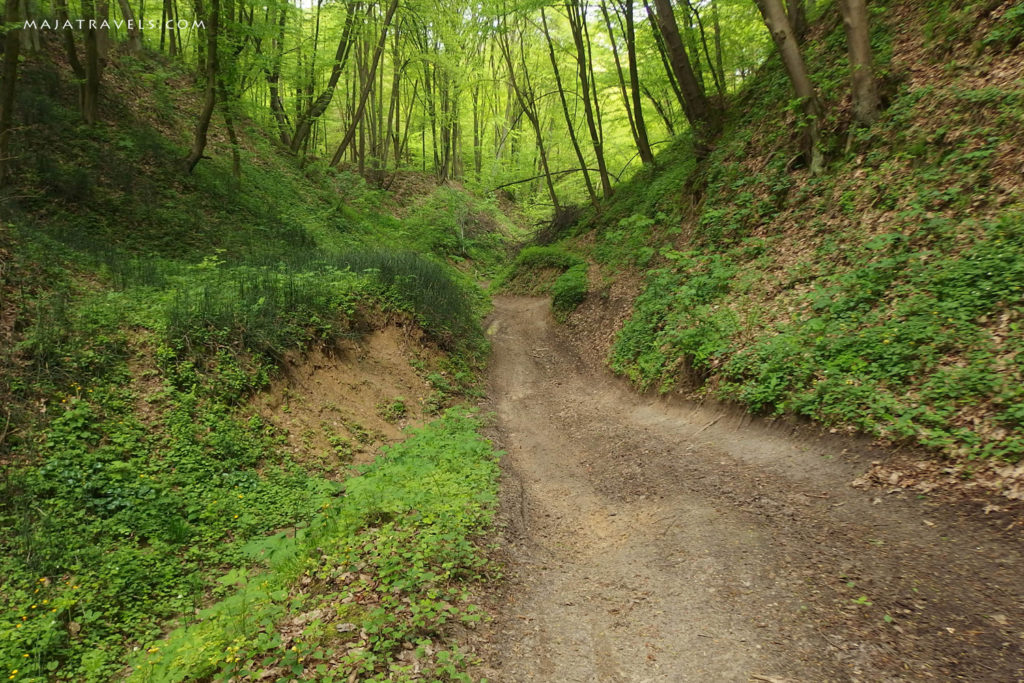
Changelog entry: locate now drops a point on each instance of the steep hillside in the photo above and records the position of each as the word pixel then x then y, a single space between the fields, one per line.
pixel 183 382
pixel 883 296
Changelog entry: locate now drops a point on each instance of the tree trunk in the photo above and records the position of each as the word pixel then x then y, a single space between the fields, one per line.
pixel 210 101
pixel 273 82
pixel 663 53
pixel 93 65
pixel 719 55
pixel 527 103
pixel 858 40
pixel 570 125
pixel 658 107
pixel 797 11
pixel 704 121
pixel 719 82
pixel 367 86
pixel 71 51
pixel 626 103
pixel 134 34
pixel 229 122
pixel 11 48
pixel 782 33
pixel 29 36
pixel 317 108
pixel 577 17
pixel 643 142
pixel 103 34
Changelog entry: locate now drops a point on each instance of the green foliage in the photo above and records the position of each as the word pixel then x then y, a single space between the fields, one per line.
pixel 569 290
pixel 456 225
pixel 675 320
pixel 119 526
pixel 906 331
pixel 401 539
pixel 535 269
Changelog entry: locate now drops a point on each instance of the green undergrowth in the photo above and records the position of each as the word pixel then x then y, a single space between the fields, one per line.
pixel 142 308
pixel 569 291
pixel 133 473
pixel 884 296
pixel 367 589
pixel 543 270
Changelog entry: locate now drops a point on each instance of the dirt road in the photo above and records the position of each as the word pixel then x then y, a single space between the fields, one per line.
pixel 651 542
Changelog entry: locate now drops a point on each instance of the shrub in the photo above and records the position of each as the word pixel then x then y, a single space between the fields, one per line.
pixel 569 291
pixel 535 269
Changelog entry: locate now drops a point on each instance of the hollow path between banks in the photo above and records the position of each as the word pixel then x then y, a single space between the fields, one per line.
pixel 646 541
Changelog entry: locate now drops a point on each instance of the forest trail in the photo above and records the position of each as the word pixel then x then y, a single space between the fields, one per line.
pixel 652 542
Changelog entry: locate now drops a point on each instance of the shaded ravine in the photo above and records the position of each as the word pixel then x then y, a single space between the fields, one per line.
pixel 652 542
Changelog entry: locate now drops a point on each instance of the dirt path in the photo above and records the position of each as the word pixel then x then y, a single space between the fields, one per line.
pixel 647 542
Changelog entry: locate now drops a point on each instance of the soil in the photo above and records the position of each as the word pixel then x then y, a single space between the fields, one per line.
pixel 651 540
pixel 331 402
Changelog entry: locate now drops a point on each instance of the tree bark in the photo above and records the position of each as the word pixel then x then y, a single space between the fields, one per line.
pixel 569 124
pixel 93 66
pixel 273 75
pixel 858 40
pixel 317 108
pixel 527 103
pixel 663 53
pixel 7 92
pixel 643 141
pixel 210 101
pixel 719 54
pixel 658 107
pixel 797 11
pixel 71 51
pixel 782 33
pixel 367 86
pixel 103 34
pixel 134 34
pixel 576 18
pixel 719 82
pixel 704 120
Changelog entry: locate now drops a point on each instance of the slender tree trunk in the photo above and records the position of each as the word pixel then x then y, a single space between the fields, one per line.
pixel 663 53
pixel 367 86
pixel 576 18
pixel 176 45
pixel 229 122
pixel 93 64
pixel 719 54
pixel 524 96
pixel 782 33
pixel 643 142
pixel 797 11
pixel 478 152
pixel 134 34
pixel 619 73
pixel 12 44
pixel 719 82
pixel 273 74
pixel 692 49
pixel 71 51
pixel 103 34
pixel 29 36
pixel 858 40
pixel 570 125
pixel 658 107
pixel 704 120
pixel 210 101
pixel 317 108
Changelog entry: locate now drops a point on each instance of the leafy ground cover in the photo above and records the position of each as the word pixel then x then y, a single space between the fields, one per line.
pixel 885 295
pixel 141 310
